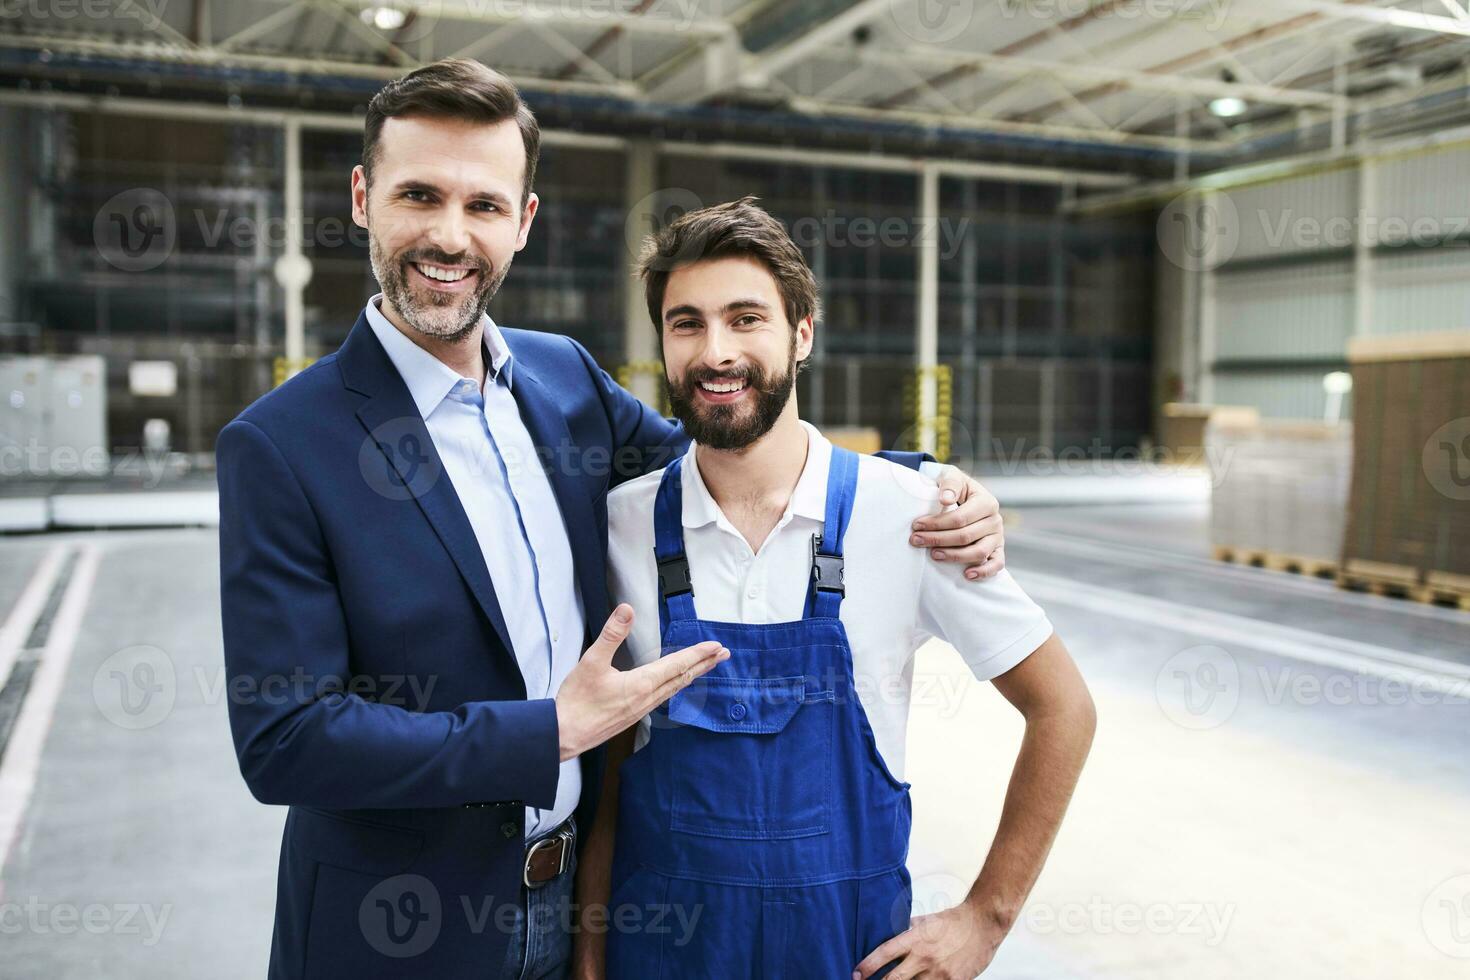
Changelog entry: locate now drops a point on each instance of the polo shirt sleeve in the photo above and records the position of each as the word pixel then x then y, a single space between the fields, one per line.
pixel 993 624
pixel 632 569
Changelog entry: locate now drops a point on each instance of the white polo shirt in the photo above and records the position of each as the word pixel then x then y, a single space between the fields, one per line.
pixel 897 596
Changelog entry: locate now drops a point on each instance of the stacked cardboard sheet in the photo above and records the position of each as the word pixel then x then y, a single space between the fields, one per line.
pixel 1409 517
pixel 1280 489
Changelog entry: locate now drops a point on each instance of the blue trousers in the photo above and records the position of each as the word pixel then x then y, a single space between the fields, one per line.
pixel 541 933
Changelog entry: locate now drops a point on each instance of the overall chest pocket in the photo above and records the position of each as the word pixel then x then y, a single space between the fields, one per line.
pixel 751 758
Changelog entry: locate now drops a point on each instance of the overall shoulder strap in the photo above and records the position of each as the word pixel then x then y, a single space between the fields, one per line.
pixel 675 586
pixel 824 596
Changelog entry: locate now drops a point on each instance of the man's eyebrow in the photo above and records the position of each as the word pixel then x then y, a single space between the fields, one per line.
pixel 415 184
pixel 494 196
pixel 686 309
pixel 746 304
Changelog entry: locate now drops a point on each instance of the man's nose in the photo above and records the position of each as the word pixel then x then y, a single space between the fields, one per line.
pixel 718 349
pixel 447 231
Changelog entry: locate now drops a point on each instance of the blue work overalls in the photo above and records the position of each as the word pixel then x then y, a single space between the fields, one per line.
pixel 760 834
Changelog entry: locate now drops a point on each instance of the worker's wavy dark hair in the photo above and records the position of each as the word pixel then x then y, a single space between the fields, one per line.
pixel 453 88
pixel 736 228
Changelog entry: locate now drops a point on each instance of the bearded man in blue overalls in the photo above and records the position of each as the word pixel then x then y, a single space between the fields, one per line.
pixel 757 824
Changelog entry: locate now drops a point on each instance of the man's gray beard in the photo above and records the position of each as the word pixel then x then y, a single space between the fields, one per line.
pixel 394 282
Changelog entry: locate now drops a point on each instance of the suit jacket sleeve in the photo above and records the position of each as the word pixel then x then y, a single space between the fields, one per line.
pixel 301 735
pixel 644 441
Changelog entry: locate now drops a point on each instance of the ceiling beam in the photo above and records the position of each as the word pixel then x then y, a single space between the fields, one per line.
pixel 345 122
pixel 1018 67
pixel 979 124
pixel 270 22
pixel 307 66
pixel 758 68
pixel 600 43
pixel 718 68
pixel 1205 57
pixel 1417 20
pixel 555 15
pixel 1048 33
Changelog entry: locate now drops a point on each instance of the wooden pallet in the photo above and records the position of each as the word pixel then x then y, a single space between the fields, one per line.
pixel 1404 581
pixel 1278 562
pixel 1448 588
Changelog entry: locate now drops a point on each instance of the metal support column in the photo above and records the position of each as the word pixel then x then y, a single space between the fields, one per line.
pixel 1208 316
pixel 291 271
pixel 640 342
pixel 927 342
pixel 1363 248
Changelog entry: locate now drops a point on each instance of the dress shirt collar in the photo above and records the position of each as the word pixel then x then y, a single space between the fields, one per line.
pixel 429 379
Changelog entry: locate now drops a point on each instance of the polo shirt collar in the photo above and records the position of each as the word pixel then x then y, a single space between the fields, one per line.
pixel 429 379
pixel 808 499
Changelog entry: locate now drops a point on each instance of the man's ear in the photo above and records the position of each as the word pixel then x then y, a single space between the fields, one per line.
pixel 528 214
pixel 359 196
pixel 805 335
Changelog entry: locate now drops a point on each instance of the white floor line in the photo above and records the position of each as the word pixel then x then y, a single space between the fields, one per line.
pixel 23 753
pixel 1142 557
pixel 27 608
pixel 1442 676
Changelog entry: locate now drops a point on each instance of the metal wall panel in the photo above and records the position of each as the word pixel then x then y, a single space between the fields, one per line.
pixel 1427 186
pixel 1292 311
pixel 1421 290
pixel 1277 394
pixel 1297 215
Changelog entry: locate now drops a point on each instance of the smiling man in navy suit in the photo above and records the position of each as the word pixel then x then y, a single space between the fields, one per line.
pixel 412 542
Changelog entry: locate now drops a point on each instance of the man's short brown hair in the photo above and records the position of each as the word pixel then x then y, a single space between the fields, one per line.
pixel 736 229
pixel 454 88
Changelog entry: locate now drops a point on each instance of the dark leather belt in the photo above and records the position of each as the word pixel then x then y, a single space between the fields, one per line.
pixel 550 856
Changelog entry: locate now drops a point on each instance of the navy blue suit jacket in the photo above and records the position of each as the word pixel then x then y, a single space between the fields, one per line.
pixel 373 687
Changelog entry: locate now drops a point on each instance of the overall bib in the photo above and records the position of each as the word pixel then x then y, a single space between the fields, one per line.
pixel 760 834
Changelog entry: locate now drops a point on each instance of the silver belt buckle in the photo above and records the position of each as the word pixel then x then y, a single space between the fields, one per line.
pixel 562 836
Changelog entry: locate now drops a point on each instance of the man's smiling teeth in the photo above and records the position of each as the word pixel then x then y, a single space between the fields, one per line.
pixel 443 275
pixel 722 387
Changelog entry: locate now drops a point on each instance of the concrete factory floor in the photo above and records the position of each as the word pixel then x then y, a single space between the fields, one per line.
pixel 1280 784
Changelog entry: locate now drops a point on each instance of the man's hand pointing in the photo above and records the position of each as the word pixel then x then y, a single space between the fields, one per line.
pixel 597 700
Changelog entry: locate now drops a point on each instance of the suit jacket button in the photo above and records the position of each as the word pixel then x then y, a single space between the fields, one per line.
pixel 509 829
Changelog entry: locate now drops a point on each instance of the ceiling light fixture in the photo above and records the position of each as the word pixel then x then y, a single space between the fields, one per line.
pixel 384 18
pixel 1227 106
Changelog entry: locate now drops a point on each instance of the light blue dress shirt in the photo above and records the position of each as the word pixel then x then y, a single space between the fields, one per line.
pixel 491 460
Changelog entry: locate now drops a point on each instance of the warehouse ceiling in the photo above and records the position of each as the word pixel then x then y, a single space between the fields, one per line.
pixel 1219 80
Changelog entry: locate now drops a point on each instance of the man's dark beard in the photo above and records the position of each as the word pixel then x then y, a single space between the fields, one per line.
pixel 719 426
pixel 394 281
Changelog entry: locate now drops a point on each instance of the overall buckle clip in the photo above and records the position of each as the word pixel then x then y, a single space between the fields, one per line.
pixel 673 576
pixel 826 569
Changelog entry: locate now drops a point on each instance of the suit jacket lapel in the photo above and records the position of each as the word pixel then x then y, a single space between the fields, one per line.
pixel 413 468
pixel 560 459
